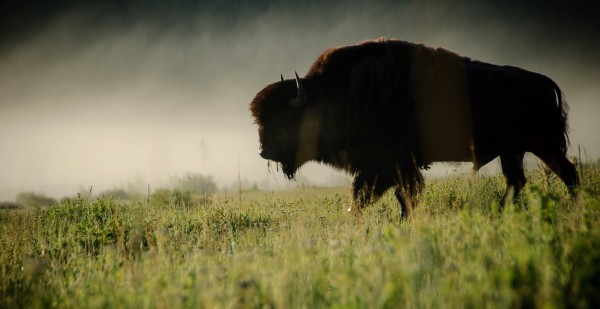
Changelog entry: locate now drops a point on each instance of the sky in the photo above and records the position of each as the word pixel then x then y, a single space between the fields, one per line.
pixel 107 93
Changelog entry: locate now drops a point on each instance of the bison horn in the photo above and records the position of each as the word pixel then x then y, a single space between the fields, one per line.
pixel 281 77
pixel 301 90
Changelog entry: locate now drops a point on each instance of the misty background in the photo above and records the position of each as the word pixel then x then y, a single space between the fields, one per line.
pixel 105 93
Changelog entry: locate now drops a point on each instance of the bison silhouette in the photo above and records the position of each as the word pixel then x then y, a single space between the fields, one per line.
pixel 384 109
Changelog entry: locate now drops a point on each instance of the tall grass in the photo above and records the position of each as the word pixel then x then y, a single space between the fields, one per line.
pixel 302 249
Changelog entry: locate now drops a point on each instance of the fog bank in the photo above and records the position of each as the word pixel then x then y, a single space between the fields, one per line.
pixel 90 98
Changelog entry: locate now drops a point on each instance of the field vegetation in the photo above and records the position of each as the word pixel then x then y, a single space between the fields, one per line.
pixel 180 248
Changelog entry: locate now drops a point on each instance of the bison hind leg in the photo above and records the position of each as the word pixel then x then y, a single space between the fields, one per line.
pixel 562 167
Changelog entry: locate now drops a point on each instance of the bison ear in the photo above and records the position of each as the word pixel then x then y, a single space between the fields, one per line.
pixel 301 99
pixel 281 77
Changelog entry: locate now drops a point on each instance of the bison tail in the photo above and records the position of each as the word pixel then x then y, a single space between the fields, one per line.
pixel 563 123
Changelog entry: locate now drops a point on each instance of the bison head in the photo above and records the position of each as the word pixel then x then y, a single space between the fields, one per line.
pixel 288 124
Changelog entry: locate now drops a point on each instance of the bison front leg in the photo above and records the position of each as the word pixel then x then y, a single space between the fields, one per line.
pixel 409 185
pixel 407 196
pixel 405 200
pixel 362 190
pixel 367 188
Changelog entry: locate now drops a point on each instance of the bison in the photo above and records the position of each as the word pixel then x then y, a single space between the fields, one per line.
pixel 383 110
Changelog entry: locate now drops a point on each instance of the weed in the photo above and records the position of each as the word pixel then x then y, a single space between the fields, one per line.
pixel 302 249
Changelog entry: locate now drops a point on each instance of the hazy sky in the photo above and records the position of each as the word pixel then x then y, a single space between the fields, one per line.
pixel 105 93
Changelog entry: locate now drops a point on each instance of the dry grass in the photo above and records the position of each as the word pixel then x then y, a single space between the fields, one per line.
pixel 302 249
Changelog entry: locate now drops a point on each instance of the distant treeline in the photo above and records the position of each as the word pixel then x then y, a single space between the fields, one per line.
pixel 186 189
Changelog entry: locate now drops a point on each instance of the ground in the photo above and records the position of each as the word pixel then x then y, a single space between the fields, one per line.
pixel 300 248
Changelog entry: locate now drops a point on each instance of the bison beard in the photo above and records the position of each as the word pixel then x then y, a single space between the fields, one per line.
pixel 385 109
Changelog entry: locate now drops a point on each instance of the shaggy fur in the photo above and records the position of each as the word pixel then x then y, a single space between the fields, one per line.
pixel 383 110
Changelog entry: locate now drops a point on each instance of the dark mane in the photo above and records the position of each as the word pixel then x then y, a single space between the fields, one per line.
pixel 338 62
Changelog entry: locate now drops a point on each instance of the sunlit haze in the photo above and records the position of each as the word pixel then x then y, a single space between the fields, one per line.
pixel 102 100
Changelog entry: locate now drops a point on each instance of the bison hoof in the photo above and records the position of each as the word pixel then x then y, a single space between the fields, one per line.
pixel 355 207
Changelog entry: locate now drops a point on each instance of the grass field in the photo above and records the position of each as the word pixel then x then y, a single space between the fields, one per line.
pixel 302 249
